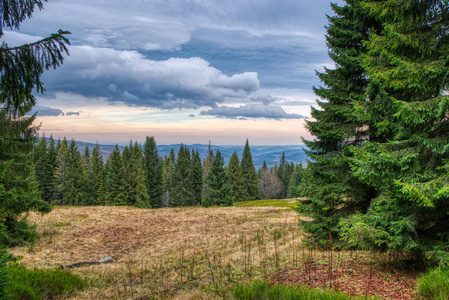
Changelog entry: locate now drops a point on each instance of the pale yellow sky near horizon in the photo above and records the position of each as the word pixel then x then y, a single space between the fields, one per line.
pixel 121 124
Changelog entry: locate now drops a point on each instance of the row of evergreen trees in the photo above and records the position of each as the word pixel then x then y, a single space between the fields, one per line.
pixel 138 176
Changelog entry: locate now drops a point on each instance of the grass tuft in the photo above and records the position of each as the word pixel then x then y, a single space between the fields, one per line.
pixel 434 284
pixel 41 284
pixel 262 290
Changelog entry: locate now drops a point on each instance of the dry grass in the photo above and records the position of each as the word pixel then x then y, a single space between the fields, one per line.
pixel 184 253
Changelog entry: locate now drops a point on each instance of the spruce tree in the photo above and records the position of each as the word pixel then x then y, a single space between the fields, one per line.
pixel 250 180
pixel 76 180
pixel 208 160
pixel 196 177
pixel 333 192
pixel 407 163
pixel 235 178
pixel 115 185
pixel 40 165
pixel 137 192
pixel 95 174
pixel 61 174
pixel 217 187
pixel 52 156
pixel 20 71
pixel 167 177
pixel 152 166
pixel 294 186
pixel 182 194
pixel 89 198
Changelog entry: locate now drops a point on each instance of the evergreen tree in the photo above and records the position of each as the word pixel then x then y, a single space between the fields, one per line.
pixel 76 180
pixel 52 156
pixel 89 197
pixel 284 173
pixel 196 177
pixel 101 191
pixel 251 183
pixel 235 178
pixel 217 188
pixel 181 187
pixel 152 166
pixel 40 164
pixel 126 161
pixel 137 192
pixel 407 105
pixel 115 179
pixel 61 174
pixel 167 178
pixel 332 191
pixel 294 186
pixel 95 175
pixel 19 190
pixel 208 160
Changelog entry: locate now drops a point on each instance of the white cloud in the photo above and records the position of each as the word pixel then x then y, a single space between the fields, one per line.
pixel 130 77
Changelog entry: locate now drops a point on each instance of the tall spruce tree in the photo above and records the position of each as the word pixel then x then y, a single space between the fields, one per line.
pixel 135 177
pixel 235 178
pixel 52 156
pixel 95 174
pixel 89 197
pixel 115 185
pixel 61 174
pixel 76 179
pixel 217 188
pixel 40 164
pixel 333 192
pixel 152 166
pixel 20 71
pixel 182 194
pixel 196 177
pixel 249 175
pixel 167 178
pixel 407 164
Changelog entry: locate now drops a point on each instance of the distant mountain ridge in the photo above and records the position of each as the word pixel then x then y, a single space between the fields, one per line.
pixel 270 154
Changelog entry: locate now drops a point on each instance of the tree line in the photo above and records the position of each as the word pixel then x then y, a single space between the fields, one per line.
pixel 138 176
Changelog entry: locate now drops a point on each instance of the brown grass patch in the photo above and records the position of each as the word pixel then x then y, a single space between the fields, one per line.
pixel 166 252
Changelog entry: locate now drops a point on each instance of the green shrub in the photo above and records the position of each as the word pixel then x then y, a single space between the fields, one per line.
pixel 41 284
pixel 260 290
pixel 4 258
pixel 434 284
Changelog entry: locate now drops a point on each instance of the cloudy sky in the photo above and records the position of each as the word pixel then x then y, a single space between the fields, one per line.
pixel 184 71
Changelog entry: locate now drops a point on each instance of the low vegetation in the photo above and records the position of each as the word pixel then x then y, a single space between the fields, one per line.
pixel 263 290
pixel 205 253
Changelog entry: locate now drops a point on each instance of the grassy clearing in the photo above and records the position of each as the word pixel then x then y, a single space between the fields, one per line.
pixel 197 253
pixel 165 253
pixel 291 203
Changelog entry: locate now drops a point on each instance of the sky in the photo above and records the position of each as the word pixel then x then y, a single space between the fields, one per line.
pixel 183 71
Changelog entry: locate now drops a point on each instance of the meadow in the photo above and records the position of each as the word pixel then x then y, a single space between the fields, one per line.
pixel 201 253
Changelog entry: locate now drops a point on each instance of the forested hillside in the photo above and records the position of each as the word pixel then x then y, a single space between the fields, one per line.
pixel 139 176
